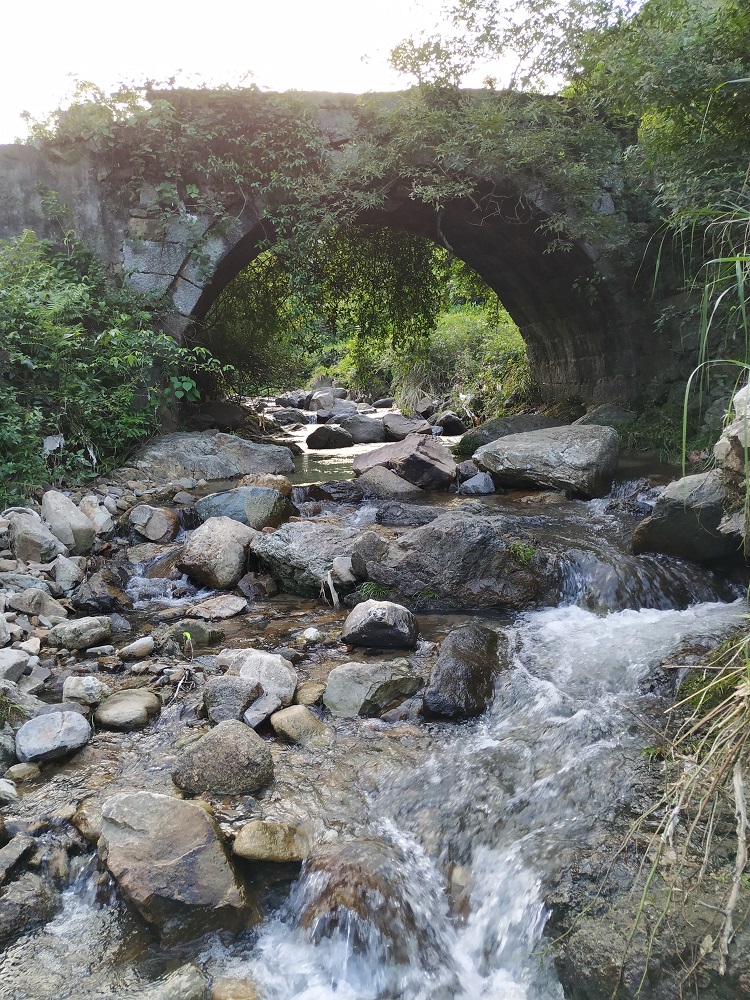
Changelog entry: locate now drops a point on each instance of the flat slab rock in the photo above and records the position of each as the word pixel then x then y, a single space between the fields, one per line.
pixel 209 455
pixel 419 459
pixel 131 709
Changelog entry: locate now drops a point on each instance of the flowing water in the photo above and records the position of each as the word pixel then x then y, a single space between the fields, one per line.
pixel 450 836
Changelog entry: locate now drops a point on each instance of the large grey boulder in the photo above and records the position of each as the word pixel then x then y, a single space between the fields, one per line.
pixel 499 427
pixel 421 460
pixel 382 624
pixel 299 555
pixel 216 552
pixel 49 737
pixel 380 483
pixel 288 416
pixel 329 436
pixel 468 562
pixel 33 541
pixel 81 633
pixel 167 857
pixel 256 506
pixel 230 759
pixel 368 689
pixel 363 429
pixel 67 522
pixel 582 460
pixel 462 681
pixel 321 399
pixel 209 455
pixel 685 521
pixel 397 426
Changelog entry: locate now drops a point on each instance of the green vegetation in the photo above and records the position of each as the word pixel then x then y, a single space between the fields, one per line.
pixel 84 369
pixel 522 553
pixel 372 591
pixel 10 711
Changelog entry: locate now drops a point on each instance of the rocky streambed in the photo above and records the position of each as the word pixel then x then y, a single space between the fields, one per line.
pixel 356 739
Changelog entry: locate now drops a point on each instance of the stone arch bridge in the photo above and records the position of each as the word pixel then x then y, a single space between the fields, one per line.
pixel 595 348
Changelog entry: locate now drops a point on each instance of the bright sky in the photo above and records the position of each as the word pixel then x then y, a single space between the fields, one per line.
pixel 284 44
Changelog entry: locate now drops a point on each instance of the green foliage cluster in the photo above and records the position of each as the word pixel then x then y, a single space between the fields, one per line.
pixel 84 369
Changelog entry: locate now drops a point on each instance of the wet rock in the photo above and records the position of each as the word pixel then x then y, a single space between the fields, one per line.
pixel 499 427
pixel 358 890
pixel 228 697
pixel 363 429
pixel 451 423
pixel 477 561
pixel 187 983
pixel 405 515
pixel 257 506
pixel 87 819
pixel 275 674
pixel 300 555
pixel 685 521
pixel 31 540
pixel 157 524
pixel 28 901
pixel 382 484
pixel 297 724
pixel 130 709
pixel 259 840
pixel 582 460
pixel 17 848
pixel 67 522
pixel 20 773
pixel 49 737
pixel 462 681
pixel 139 649
pixel 101 593
pixel 216 553
pixel 479 485
pixel 420 460
pixel 225 988
pixel 369 688
pixel 167 857
pixel 397 426
pixel 329 436
pixel 210 455
pixel 230 759
pixel 88 690
pixel 82 633
pixel 382 624
pixel 34 601
pixel 257 586
pixel 13 663
pixel 219 608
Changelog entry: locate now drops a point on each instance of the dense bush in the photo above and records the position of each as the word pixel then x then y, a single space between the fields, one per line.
pixel 84 368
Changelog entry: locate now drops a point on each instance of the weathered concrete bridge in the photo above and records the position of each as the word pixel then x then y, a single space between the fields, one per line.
pixel 597 347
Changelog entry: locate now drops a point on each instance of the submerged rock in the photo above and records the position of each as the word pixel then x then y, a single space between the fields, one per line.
pixel 462 681
pixel 29 900
pixel 260 840
pixel 380 623
pixel 167 857
pixel 580 459
pixel 230 759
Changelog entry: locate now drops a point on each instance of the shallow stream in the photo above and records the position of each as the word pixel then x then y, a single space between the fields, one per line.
pixel 477 821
